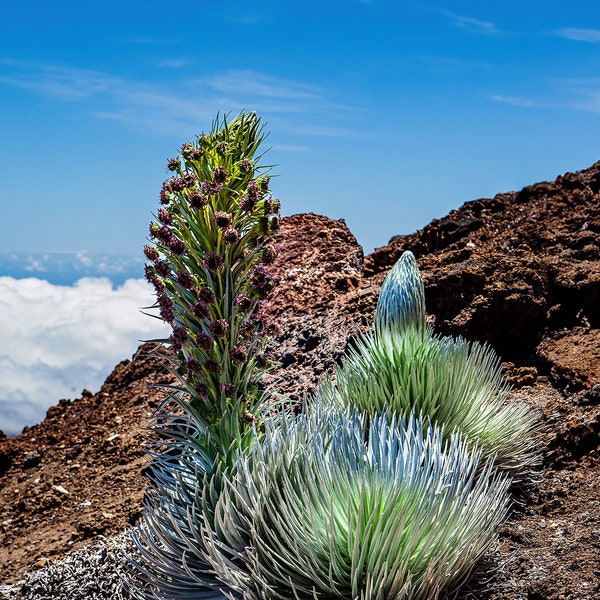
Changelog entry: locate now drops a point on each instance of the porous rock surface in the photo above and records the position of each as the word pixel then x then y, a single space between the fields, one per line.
pixel 520 271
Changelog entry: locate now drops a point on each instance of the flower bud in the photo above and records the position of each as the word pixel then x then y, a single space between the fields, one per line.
pixel 220 175
pixel 206 295
pixel 200 310
pixel 213 262
pixel 164 216
pixel 151 252
pixel 204 341
pixel 231 236
pixel 185 280
pixel 223 219
pixel 197 199
pixel 177 246
pixel 174 165
pixel 219 328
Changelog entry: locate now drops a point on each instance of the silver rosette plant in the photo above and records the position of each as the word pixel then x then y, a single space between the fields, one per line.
pixel 402 366
pixel 316 509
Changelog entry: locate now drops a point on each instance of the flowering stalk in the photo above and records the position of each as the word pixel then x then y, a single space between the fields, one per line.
pixel 207 263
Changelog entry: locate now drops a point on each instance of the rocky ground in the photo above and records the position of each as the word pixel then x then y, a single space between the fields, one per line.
pixel 520 271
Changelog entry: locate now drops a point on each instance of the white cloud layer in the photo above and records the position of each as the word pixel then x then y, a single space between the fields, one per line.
pixel 57 340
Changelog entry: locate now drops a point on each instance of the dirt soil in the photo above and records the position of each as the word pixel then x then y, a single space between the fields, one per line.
pixel 520 271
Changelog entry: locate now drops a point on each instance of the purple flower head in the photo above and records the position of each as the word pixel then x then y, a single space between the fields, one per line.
pixel 262 281
pixel 223 219
pixel 200 310
pixel 174 164
pixel 151 252
pixel 269 255
pixel 197 199
pixel 164 195
pixel 204 341
pixel 247 203
pixel 212 366
pixel 210 188
pixel 213 262
pixel 272 206
pixel 194 366
pixel 162 268
pixel 201 390
pixel 165 301
pixel 220 175
pixel 188 179
pixel 166 314
pixel 187 150
pixel 247 330
pixel 253 191
pixel 179 334
pixel 238 354
pixel 185 280
pixel 206 295
pixel 190 152
pixel 164 216
pixel 175 185
pixel 156 282
pixel 227 389
pixel 231 236
pixel 177 246
pixel 244 302
pixel 263 183
pixel 219 328
pixel 245 165
pixel 164 234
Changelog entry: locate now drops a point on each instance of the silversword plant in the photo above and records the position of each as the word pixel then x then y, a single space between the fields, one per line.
pixel 389 485
pixel 402 366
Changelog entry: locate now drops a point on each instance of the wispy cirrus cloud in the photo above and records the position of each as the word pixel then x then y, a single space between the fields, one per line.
pixel 517 101
pixel 575 93
pixel 176 105
pixel 465 22
pixel 174 63
pixel 580 35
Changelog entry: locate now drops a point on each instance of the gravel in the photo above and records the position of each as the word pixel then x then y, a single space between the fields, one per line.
pixel 92 573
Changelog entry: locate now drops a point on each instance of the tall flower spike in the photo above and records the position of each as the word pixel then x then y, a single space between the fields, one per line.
pixel 205 247
pixel 402 298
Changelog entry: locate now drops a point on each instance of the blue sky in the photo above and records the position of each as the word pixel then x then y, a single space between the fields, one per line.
pixel 386 113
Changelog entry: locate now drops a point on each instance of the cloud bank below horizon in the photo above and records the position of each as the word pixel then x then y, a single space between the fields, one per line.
pixel 57 340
